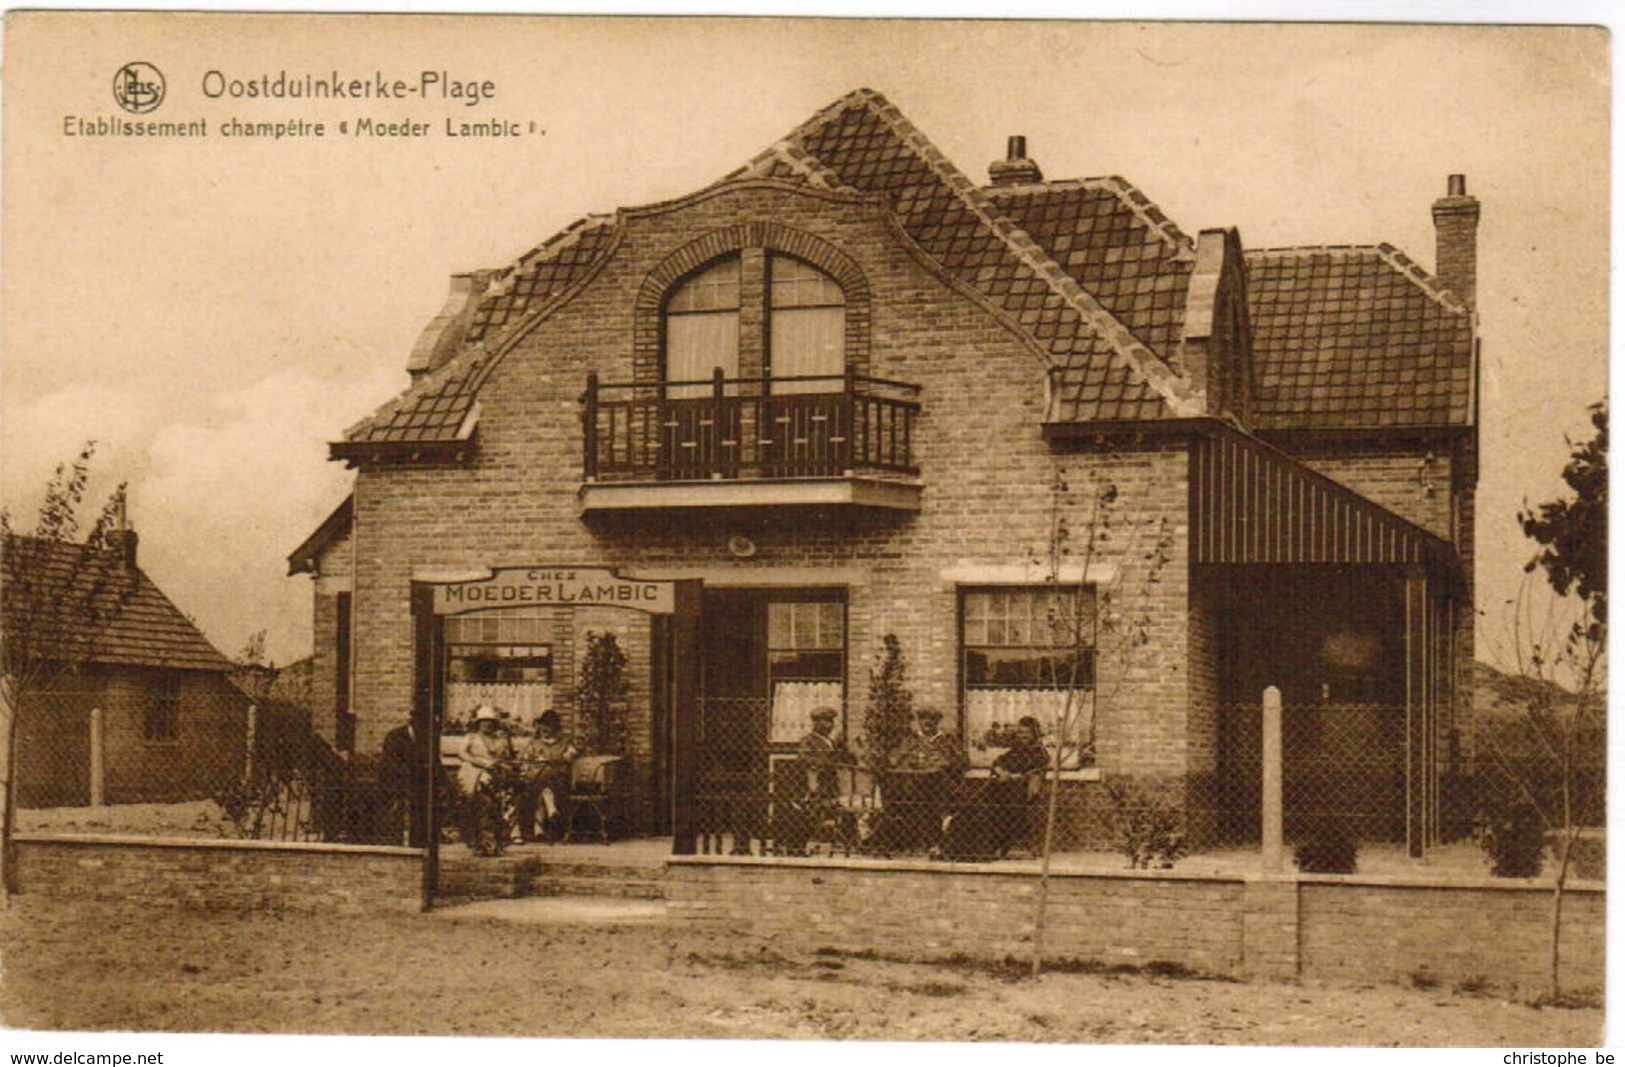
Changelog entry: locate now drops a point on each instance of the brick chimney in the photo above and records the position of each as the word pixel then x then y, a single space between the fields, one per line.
pixel 1015 168
pixel 1455 217
pixel 121 540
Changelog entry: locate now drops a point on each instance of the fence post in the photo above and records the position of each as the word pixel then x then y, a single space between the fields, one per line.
pixel 1271 797
pixel 8 796
pixel 253 731
pixel 98 770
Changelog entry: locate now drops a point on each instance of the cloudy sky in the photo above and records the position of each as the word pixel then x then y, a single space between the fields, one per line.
pixel 215 311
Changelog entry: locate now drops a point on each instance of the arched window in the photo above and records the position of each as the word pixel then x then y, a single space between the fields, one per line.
pixel 806 327
pixel 702 329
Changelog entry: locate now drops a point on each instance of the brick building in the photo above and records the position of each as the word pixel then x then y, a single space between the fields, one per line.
pixel 846 392
pixel 172 725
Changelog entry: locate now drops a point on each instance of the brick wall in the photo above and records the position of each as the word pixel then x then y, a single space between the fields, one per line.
pixel 1401 478
pixel 1347 929
pixel 986 470
pixel 1497 933
pixel 898 907
pixel 221 874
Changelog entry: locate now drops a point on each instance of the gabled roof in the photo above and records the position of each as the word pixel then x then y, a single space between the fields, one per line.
pixel 302 560
pixel 861 143
pixel 1355 337
pixel 1091 271
pixel 116 614
pixel 1119 247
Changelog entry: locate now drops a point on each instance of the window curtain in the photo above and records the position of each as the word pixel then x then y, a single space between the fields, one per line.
pixel 793 704
pixel 986 709
pixel 808 341
pixel 522 702
pixel 695 345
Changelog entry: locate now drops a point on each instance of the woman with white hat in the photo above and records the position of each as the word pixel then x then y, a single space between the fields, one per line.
pixel 484 747
pixel 486 825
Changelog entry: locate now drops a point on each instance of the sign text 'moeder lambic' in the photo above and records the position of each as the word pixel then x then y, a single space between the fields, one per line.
pixel 555 587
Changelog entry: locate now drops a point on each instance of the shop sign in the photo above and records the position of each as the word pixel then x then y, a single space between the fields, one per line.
pixel 555 587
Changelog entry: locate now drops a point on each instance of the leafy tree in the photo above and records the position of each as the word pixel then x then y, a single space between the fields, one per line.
pixel 58 596
pixel 1573 531
pixel 1550 758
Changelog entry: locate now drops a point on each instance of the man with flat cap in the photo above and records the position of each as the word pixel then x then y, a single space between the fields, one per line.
pixel 814 783
pixel 821 753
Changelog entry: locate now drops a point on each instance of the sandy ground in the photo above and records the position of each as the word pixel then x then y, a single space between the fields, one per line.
pixel 88 966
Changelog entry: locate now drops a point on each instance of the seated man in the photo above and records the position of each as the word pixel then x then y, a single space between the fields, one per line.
pixel 924 785
pixel 546 758
pixel 814 784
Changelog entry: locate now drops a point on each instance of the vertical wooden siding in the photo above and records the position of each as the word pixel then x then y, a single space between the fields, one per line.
pixel 1251 505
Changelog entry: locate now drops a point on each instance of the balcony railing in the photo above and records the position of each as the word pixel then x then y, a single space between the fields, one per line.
pixel 748 429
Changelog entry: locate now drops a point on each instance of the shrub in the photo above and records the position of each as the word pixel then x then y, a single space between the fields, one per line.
pixel 601 696
pixel 889 715
pixel 1331 847
pixel 1148 826
pixel 1514 838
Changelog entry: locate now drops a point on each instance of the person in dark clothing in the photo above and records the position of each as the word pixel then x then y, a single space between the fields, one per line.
pixel 813 787
pixel 998 816
pixel 923 785
pixel 401 777
pixel 546 758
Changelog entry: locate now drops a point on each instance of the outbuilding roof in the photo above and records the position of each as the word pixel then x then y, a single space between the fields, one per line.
pixel 87 599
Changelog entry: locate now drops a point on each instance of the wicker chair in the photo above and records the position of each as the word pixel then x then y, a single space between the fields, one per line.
pixel 599 795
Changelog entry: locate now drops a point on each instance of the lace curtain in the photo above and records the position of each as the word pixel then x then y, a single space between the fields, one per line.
pixel 793 704
pixel 522 702
pixel 986 709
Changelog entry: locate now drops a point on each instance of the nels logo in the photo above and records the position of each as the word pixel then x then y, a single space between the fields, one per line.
pixel 138 87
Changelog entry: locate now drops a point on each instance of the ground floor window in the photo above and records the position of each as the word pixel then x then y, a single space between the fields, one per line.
pixel 1028 651
pixel 160 720
pixel 502 658
pixel 806 662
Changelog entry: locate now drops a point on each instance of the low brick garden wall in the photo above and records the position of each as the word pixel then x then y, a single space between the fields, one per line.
pixel 260 875
pixel 1339 927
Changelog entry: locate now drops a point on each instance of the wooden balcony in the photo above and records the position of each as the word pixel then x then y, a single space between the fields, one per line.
pixel 748 442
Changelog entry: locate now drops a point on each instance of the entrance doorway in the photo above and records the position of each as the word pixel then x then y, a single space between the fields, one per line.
pixel 768 659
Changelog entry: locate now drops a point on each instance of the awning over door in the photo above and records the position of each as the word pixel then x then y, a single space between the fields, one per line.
pixel 1253 504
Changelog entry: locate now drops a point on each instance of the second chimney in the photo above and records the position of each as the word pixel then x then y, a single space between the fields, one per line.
pixel 1015 168
pixel 1455 218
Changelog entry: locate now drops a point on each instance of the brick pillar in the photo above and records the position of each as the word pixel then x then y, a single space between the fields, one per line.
pixel 1269 927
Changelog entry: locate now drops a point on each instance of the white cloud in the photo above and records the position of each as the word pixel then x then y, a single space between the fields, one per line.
pixel 37 435
pixel 227 496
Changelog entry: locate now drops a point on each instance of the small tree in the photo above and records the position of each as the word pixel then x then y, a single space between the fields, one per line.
pixel 1550 759
pixel 1109 625
pixel 58 595
pixel 601 696
pixel 888 716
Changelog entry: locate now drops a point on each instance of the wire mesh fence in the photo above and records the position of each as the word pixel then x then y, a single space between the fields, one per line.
pixel 144 760
pixel 1350 775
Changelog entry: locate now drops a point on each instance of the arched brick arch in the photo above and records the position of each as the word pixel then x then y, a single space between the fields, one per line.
pixel 728 240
